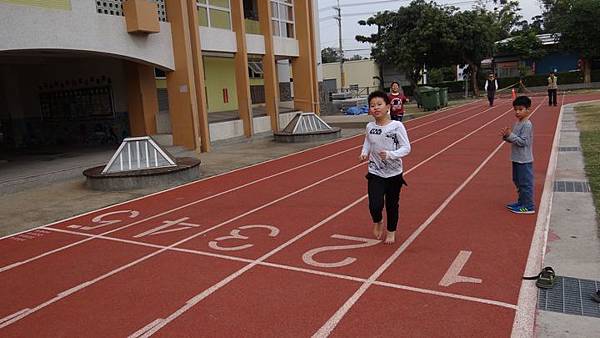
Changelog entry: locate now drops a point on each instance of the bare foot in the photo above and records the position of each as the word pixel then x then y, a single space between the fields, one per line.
pixel 390 238
pixel 378 230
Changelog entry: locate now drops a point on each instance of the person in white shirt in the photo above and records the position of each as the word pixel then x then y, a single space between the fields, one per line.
pixel 386 142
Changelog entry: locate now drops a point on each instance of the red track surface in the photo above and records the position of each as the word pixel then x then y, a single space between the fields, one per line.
pixel 212 275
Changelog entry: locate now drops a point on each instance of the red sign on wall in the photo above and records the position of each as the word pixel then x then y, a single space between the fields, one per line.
pixel 225 96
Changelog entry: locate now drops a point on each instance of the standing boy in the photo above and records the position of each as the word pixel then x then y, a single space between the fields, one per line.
pixel 521 139
pixel 397 100
pixel 386 142
pixel 491 85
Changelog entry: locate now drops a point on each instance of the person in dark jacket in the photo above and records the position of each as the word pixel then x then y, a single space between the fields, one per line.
pixel 491 85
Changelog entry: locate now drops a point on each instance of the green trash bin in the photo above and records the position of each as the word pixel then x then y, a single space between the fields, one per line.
pixel 430 98
pixel 444 96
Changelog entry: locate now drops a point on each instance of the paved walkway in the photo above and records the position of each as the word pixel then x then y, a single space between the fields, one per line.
pixel 573 247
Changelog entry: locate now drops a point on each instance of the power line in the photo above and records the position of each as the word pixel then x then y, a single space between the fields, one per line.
pixel 384 1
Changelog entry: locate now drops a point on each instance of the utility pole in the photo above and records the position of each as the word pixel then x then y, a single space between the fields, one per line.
pixel 339 19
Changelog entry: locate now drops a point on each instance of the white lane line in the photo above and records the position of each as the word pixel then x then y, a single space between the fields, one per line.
pixel 448 295
pixel 214 288
pixel 150 255
pixel 243 168
pixel 334 320
pixel 146 328
pixel 47 253
pixel 190 183
pixel 194 300
pixel 309 271
pixel 15 316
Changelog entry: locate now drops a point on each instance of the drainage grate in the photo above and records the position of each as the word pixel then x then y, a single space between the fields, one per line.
pixel 569 130
pixel 568 121
pixel 569 148
pixel 571 296
pixel 571 186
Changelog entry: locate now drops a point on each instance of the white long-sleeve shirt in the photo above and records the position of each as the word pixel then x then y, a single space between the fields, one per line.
pixel 392 139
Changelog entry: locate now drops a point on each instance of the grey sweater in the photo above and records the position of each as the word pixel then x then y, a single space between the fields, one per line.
pixel 521 139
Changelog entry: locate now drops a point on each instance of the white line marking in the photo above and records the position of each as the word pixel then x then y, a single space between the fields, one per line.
pixel 365 243
pixel 14 317
pixel 194 300
pixel 146 328
pixel 190 303
pixel 447 294
pixel 225 281
pixel 334 320
pixel 139 260
pixel 192 183
pixel 453 276
pixel 309 271
pixel 16 264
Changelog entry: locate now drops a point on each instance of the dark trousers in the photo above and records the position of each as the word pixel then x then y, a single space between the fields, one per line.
pixel 397 117
pixel 552 97
pixel 385 190
pixel 490 95
pixel 523 180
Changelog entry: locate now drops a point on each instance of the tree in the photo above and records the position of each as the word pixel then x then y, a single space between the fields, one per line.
pixel 475 37
pixel 575 23
pixel 355 57
pixel 415 35
pixel 330 54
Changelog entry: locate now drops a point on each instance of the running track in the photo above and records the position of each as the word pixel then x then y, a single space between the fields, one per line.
pixel 284 248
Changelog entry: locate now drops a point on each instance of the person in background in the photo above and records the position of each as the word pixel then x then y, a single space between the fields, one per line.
pixel 491 85
pixel 552 89
pixel 397 100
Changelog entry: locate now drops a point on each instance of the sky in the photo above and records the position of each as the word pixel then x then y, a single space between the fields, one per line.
pixel 350 27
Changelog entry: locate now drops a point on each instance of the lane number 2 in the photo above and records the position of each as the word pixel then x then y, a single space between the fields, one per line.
pixel 364 243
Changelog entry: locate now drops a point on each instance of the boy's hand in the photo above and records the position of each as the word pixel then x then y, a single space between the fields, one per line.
pixel 504 132
pixel 362 158
pixel 383 155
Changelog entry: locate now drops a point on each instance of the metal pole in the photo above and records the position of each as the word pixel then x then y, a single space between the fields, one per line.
pixel 339 19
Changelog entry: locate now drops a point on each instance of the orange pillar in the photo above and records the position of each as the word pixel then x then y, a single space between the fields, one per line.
pixel 199 77
pixel 242 78
pixel 181 86
pixel 303 72
pixel 142 99
pixel 270 72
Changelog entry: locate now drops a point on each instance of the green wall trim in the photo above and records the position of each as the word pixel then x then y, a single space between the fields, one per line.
pixel 52 4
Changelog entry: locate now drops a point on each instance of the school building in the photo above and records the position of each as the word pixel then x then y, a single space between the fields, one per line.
pixel 188 72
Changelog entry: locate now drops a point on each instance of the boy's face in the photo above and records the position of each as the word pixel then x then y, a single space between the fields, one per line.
pixel 521 112
pixel 378 107
pixel 395 87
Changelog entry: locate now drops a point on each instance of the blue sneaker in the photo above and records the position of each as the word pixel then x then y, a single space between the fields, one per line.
pixel 512 205
pixel 522 210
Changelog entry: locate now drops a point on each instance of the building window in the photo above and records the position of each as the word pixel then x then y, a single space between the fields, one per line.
pixel 282 18
pixel 115 7
pixel 255 69
pixel 214 13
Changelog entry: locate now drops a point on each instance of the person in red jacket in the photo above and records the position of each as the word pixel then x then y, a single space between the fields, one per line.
pixel 397 100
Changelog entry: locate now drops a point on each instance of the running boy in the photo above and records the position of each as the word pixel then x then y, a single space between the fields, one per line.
pixel 397 100
pixel 521 139
pixel 386 142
